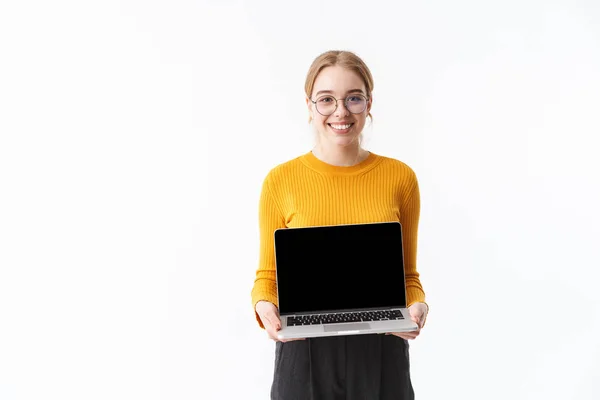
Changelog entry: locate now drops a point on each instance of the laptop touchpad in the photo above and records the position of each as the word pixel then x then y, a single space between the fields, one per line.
pixel 346 327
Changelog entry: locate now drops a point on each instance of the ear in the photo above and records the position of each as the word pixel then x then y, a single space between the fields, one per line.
pixel 369 104
pixel 310 111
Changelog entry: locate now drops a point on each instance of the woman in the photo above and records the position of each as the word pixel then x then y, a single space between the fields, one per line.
pixel 339 182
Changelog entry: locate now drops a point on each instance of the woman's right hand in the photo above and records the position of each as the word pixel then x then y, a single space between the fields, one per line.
pixel 269 316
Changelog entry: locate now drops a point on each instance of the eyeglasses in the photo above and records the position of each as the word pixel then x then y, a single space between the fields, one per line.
pixel 326 105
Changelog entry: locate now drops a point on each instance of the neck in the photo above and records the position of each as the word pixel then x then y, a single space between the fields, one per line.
pixel 340 156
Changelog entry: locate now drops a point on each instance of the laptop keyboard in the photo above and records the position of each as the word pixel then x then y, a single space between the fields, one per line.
pixel 360 316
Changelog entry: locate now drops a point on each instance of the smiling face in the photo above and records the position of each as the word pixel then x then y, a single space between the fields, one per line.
pixel 342 128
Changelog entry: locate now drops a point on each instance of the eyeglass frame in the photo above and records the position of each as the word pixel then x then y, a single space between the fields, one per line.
pixel 345 103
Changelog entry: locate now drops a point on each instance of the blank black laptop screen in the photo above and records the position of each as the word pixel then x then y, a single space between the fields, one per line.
pixel 333 268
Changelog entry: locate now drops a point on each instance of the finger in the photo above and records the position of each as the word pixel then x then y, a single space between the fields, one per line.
pixel 401 335
pixel 276 322
pixel 418 321
pixel 272 335
pixel 273 324
pixel 290 340
pixel 413 334
pixel 406 335
pixel 273 320
pixel 271 331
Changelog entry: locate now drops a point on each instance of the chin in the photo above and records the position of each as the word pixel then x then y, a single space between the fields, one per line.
pixel 342 143
pixel 344 140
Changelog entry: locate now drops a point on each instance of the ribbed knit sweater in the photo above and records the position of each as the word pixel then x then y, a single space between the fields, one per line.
pixel 306 191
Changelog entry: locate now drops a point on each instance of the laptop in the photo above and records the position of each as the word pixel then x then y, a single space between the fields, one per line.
pixel 341 280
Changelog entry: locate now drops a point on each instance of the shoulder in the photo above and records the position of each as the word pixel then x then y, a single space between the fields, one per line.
pixel 282 172
pixel 397 168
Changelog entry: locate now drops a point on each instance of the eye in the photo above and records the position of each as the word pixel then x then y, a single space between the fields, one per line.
pixel 325 99
pixel 354 99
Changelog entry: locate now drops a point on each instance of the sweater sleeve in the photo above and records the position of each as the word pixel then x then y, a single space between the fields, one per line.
pixel 410 206
pixel 270 218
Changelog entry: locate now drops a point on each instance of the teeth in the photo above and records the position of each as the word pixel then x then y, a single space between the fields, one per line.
pixel 340 127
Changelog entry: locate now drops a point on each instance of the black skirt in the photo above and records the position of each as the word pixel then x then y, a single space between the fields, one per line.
pixel 361 367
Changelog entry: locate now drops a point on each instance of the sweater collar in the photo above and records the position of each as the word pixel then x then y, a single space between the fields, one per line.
pixel 318 165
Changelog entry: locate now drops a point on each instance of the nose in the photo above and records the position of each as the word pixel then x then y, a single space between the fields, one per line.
pixel 341 108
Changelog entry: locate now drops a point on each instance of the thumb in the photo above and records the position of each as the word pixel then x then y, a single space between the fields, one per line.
pixel 416 318
pixel 273 321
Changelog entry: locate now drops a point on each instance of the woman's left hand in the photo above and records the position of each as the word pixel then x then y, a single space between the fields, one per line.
pixel 418 313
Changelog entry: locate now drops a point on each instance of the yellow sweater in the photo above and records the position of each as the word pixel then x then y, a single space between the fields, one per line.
pixel 306 191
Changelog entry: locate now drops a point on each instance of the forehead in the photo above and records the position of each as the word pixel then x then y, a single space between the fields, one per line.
pixel 339 80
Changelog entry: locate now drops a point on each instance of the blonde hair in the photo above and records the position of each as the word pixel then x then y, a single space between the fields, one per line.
pixel 344 59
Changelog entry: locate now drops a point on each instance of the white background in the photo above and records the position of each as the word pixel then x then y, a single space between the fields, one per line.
pixel 135 135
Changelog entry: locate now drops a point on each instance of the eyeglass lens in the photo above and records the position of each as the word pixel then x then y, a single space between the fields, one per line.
pixel 327 105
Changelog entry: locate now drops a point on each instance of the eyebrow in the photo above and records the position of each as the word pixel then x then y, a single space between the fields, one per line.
pixel 331 92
